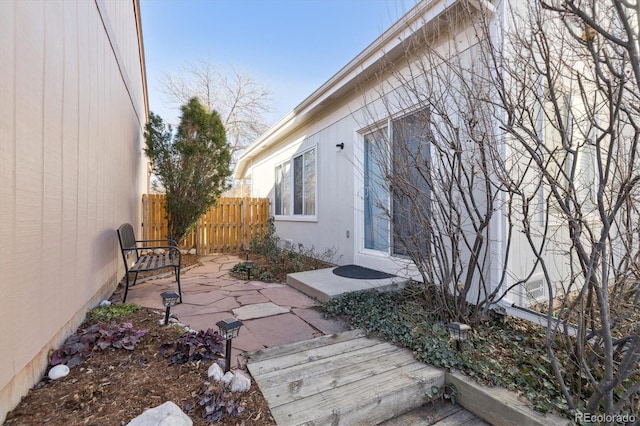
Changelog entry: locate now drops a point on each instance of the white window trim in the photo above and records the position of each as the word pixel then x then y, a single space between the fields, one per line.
pixel 299 217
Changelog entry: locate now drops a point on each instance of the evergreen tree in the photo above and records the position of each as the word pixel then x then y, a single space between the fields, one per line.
pixel 192 164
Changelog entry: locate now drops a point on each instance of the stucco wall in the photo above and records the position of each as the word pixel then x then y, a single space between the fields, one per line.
pixel 72 111
pixel 335 188
pixel 340 188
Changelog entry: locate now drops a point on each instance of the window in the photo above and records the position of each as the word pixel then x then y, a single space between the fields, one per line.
pixel 295 190
pixel 411 192
pixel 395 185
pixel 571 153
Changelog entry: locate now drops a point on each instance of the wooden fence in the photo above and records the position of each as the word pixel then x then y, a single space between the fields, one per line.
pixel 226 227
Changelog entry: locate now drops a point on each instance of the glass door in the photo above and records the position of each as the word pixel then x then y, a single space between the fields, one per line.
pixel 376 192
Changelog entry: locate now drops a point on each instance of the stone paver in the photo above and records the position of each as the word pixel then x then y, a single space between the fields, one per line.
pixel 251 299
pixel 205 321
pixel 259 310
pixel 228 304
pixel 204 298
pixel 280 330
pixel 287 296
pixel 317 320
pixel 272 313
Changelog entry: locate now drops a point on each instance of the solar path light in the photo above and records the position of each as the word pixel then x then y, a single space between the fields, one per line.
pixel 248 265
pixel 458 332
pixel 169 299
pixel 229 329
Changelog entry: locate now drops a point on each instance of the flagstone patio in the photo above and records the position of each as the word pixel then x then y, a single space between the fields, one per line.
pixel 272 314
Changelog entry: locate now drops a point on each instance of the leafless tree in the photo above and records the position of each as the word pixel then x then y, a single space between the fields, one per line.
pixel 533 127
pixel 240 98
pixel 569 84
pixel 438 178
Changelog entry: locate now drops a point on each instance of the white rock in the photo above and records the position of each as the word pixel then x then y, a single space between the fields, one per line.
pixel 226 379
pixel 105 303
pixel 240 382
pixel 58 371
pixel 167 414
pixel 192 251
pixel 159 251
pixel 215 372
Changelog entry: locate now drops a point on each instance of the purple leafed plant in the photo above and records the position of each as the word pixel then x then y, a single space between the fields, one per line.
pixel 203 345
pixel 101 336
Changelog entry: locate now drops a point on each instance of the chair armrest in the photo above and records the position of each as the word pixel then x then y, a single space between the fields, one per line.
pixel 170 248
pixel 173 248
pixel 170 241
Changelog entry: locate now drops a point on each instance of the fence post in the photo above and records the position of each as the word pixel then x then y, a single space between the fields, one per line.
pixel 145 216
pixel 198 237
pixel 244 223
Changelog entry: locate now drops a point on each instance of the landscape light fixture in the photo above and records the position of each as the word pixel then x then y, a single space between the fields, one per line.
pixel 249 265
pixel 169 299
pixel 459 332
pixel 229 329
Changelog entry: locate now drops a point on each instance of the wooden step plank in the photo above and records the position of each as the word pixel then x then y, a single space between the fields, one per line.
pixel 321 380
pixel 461 418
pixel 428 414
pixel 277 351
pixel 497 405
pixel 262 367
pixel 320 366
pixel 368 401
pixel 440 413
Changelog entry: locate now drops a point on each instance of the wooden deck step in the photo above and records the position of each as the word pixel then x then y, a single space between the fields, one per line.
pixel 439 413
pixel 291 348
pixel 343 379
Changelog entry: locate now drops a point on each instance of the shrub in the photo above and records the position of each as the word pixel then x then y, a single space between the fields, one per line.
pixel 203 345
pixel 215 402
pixel 107 313
pixel 98 336
pixel 274 262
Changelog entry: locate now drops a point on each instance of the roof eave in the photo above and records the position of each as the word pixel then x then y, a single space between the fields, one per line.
pixel 421 15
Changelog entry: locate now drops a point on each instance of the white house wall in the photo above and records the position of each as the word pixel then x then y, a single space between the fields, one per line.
pixel 332 227
pixel 338 224
pixel 72 111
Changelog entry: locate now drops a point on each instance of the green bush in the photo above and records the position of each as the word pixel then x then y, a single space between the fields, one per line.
pixel 107 313
pixel 239 270
pixel 273 263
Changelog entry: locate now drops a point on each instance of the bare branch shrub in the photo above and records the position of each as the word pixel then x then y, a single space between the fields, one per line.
pixel 570 88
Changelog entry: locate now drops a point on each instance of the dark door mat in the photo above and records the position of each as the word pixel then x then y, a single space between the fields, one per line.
pixel 360 273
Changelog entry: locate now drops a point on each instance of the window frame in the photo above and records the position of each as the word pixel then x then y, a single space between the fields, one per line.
pixel 288 206
pixel 386 127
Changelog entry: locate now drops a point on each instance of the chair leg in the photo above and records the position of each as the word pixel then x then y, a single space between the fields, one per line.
pixel 178 280
pixel 126 289
pixel 126 286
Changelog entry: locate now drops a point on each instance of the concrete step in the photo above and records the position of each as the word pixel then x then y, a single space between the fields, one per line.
pixel 323 284
pixel 343 379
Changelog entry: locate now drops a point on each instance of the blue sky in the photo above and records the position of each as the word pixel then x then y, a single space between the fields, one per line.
pixel 292 46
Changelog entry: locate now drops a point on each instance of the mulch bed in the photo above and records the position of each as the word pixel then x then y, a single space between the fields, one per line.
pixel 115 385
